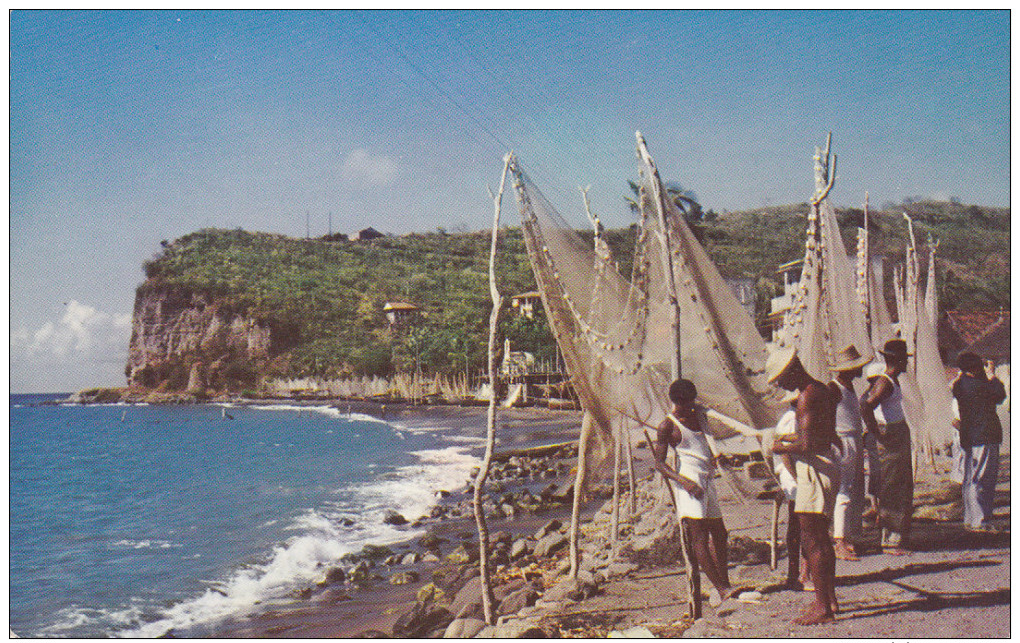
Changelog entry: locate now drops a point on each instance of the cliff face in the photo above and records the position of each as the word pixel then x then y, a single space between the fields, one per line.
pixel 185 341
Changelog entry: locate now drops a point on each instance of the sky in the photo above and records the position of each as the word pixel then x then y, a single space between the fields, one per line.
pixel 128 128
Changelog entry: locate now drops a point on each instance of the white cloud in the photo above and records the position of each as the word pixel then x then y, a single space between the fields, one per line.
pixel 82 331
pixel 366 170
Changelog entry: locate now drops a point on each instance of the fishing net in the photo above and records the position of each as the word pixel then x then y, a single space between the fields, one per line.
pixel 827 314
pixel 618 335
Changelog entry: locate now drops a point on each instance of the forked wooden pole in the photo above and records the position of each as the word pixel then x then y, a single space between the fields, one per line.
pixel 488 599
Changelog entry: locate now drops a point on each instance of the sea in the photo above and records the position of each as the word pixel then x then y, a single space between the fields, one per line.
pixel 138 520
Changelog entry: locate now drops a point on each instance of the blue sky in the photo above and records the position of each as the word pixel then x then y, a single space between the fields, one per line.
pixel 127 128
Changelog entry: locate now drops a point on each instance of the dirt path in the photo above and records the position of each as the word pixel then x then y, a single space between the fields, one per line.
pixel 954 584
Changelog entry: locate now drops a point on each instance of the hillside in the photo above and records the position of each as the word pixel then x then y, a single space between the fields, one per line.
pixel 222 309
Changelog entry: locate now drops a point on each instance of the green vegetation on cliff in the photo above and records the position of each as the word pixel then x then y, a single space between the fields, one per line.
pixel 324 299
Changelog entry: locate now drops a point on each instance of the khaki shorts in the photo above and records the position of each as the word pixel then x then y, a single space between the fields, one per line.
pixel 817 484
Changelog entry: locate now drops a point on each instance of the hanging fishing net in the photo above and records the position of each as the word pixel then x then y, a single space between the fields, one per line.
pixel 827 314
pixel 617 333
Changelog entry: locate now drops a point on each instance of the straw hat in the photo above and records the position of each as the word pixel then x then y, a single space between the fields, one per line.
pixel 895 348
pixel 873 370
pixel 778 362
pixel 848 359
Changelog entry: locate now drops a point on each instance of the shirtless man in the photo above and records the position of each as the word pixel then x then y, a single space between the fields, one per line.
pixel 697 506
pixel 817 476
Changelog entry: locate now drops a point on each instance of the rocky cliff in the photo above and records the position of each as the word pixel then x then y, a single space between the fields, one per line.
pixel 183 340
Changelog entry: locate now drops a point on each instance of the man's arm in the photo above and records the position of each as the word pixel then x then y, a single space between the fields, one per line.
pixel 807 410
pixel 880 389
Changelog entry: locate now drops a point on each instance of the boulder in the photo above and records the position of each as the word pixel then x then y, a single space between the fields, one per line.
pixel 373 552
pixel 469 595
pixel 464 628
pixel 548 528
pixel 517 601
pixel 501 537
pixel 463 554
pixel 394 518
pixel 421 620
pixel 431 541
pixel 519 629
pixel 410 559
pixel 551 544
pixel 403 578
pixel 333 576
pixel 360 572
pixel 520 548
pixel 429 594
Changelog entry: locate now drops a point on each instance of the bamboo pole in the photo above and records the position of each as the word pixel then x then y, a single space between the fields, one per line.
pixel 488 599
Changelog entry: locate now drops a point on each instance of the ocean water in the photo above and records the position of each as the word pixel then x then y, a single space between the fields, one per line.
pixel 132 520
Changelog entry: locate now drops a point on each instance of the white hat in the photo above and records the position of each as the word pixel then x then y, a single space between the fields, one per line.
pixel 778 361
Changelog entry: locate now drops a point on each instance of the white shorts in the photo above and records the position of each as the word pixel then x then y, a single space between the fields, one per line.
pixel 688 506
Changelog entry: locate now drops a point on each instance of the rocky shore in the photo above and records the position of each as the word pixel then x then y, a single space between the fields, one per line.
pixel 634 586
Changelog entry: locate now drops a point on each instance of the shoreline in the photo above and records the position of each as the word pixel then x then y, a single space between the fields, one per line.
pixel 345 608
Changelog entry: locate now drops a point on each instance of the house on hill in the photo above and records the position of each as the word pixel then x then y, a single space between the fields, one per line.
pixel 366 235
pixel 526 302
pixel 400 313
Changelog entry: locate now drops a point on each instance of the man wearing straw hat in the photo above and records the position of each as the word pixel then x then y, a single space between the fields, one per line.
pixel 846 516
pixel 882 412
pixel 817 475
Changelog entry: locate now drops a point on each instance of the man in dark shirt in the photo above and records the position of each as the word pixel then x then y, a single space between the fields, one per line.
pixel 977 394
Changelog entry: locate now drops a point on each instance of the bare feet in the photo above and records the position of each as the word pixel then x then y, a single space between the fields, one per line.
pixel 843 551
pixel 815 615
pixel 717 596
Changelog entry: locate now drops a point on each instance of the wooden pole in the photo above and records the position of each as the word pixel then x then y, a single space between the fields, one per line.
pixel 615 523
pixel 488 599
pixel 587 425
pixel 630 473
pixel 687 548
pixel 774 533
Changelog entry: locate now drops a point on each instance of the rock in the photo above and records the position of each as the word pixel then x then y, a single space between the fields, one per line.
pixel 548 528
pixel 333 576
pixel 410 559
pixel 371 634
pixel 620 569
pixel 551 544
pixel 464 628
pixel 332 596
pixel 360 572
pixel 757 470
pixel 574 589
pixel 501 537
pixel 373 552
pixel 470 594
pixel 421 620
pixel 346 522
pixel 566 494
pixel 520 548
pixel 463 554
pixel 507 510
pixel 429 557
pixel 515 602
pixel 431 541
pixel 429 594
pixel 519 629
pixel 392 560
pixel 403 578
pixel 637 632
pixel 394 518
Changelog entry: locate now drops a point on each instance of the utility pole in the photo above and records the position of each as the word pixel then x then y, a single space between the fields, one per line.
pixel 308 230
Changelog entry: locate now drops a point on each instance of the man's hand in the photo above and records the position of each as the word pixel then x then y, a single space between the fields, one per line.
pixel 693 489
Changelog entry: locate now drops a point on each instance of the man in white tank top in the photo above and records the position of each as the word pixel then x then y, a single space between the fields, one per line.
pixel 697 505
pixel 846 515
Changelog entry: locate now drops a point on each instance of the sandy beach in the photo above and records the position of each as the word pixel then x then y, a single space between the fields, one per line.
pixel 953 583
